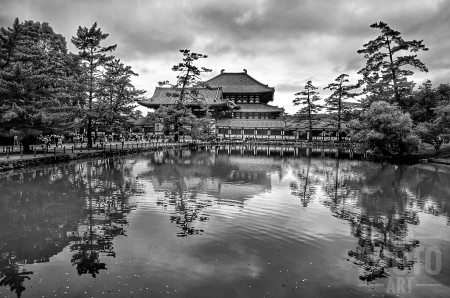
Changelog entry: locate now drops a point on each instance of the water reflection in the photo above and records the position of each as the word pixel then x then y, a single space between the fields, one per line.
pixel 82 205
pixel 254 201
pixel 306 184
pixel 190 181
pixel 11 274
pixel 379 204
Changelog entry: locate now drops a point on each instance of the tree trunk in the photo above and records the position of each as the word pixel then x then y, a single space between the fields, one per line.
pixel 26 144
pixel 89 133
pixel 437 148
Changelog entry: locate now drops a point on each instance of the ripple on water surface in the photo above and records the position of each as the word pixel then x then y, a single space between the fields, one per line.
pixel 204 223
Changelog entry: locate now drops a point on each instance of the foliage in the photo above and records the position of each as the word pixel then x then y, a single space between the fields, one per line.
pixel 93 56
pixel 386 71
pixel 116 96
pixel 39 88
pixel 187 123
pixel 337 104
pixel 436 131
pixel 443 92
pixel 423 102
pixel 433 133
pixel 307 97
pixel 137 114
pixel 384 128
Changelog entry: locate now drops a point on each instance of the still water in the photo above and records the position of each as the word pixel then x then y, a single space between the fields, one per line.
pixel 226 222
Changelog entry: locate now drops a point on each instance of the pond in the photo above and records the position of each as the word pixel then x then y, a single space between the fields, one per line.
pixel 226 222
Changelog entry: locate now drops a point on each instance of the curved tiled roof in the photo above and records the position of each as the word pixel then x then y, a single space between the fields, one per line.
pixel 251 123
pixel 238 82
pixel 143 121
pixel 258 108
pixel 169 96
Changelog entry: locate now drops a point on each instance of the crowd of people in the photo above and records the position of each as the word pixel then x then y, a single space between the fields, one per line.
pixel 53 139
pixel 101 139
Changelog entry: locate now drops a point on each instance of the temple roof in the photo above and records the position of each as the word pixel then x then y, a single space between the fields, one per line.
pixel 258 108
pixel 168 96
pixel 238 82
pixel 251 123
pixel 143 121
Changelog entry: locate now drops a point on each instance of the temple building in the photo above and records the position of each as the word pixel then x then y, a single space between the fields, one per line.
pixel 255 118
pixel 238 103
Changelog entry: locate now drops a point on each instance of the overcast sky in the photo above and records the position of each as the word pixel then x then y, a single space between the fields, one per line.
pixel 282 43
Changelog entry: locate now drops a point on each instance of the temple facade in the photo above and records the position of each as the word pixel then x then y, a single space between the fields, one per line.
pixel 254 118
pixel 238 103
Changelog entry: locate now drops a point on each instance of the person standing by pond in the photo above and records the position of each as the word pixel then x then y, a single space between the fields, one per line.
pixel 60 141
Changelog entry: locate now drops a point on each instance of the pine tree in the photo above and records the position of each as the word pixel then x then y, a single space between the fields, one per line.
pixel 178 117
pixel 337 103
pixel 307 97
pixel 116 96
pixel 37 81
pixel 386 72
pixel 94 56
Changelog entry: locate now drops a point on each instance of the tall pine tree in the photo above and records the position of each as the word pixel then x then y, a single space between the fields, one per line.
pixel 94 56
pixel 308 96
pixel 179 117
pixel 337 104
pixel 116 96
pixel 386 72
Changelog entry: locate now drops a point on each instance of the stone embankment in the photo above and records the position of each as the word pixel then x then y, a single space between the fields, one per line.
pixel 14 164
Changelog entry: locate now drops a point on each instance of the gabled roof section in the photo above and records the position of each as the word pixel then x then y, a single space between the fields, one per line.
pixel 238 82
pixel 258 108
pixel 169 96
pixel 144 121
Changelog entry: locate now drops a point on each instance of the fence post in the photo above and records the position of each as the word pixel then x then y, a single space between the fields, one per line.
pixel 72 148
pixel 34 150
pixel 7 152
pixel 54 151
pixel 21 152
pixel 64 149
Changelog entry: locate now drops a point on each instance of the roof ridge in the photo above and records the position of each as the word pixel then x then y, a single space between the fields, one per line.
pixel 193 87
pixel 240 73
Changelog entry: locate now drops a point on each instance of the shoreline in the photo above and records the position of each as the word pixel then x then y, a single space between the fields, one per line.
pixel 9 165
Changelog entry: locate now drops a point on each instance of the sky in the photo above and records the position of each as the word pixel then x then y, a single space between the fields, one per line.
pixel 282 43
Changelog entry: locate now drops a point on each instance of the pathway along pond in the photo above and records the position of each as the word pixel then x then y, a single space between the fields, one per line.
pixel 224 222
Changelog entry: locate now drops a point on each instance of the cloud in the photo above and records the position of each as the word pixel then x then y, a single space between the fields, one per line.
pixel 282 43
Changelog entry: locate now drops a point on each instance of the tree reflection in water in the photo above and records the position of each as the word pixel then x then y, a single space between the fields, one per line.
pixel 380 204
pixel 83 205
pixel 10 274
pixel 108 187
pixel 184 176
pixel 191 181
pixel 305 188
